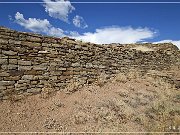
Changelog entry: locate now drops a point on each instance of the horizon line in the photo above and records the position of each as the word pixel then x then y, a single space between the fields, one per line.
pixel 95 2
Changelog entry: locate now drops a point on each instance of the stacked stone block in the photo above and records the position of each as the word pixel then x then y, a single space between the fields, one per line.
pixel 30 62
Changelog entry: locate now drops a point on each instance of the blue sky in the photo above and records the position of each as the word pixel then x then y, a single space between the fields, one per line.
pixel 98 23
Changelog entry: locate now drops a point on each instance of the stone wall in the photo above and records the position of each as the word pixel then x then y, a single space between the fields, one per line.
pixel 30 62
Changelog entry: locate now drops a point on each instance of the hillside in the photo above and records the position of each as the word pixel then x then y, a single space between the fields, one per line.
pixel 126 103
pixel 51 84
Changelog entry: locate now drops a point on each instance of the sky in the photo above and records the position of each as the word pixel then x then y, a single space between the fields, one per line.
pixel 101 23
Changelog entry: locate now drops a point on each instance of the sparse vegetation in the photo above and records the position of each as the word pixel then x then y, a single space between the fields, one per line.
pixel 121 78
pixel 102 79
pixel 127 102
pixel 72 86
pixel 47 92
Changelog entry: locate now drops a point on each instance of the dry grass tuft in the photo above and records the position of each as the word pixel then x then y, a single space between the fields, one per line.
pixel 133 74
pixel 122 78
pixel 102 80
pixel 47 92
pixel 72 86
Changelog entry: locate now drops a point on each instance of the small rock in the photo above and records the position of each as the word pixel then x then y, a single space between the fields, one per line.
pixel 9 53
pixel 27 77
pixel 25 63
pixel 6 83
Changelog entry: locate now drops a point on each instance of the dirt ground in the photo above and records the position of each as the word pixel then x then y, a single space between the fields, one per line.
pixel 126 103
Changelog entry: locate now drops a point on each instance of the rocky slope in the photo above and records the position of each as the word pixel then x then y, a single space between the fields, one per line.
pixel 129 102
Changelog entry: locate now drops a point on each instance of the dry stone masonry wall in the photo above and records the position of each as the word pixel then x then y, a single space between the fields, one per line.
pixel 31 62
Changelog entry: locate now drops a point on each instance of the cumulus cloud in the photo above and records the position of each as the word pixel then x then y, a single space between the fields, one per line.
pixel 59 9
pixel 78 21
pixel 117 35
pixel 106 35
pixel 175 42
pixel 38 25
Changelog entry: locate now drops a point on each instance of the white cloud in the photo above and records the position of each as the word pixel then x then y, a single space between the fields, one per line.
pixel 175 42
pixel 73 33
pixel 58 9
pixel 38 25
pixel 117 35
pixel 100 36
pixel 78 21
